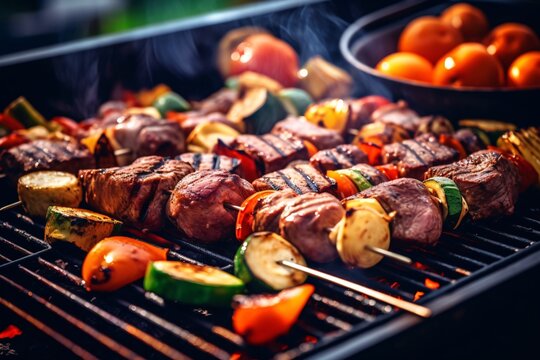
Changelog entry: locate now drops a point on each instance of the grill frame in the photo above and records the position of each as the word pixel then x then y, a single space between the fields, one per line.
pixel 384 328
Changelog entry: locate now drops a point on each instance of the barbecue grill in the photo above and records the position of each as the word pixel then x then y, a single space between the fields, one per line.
pixel 40 285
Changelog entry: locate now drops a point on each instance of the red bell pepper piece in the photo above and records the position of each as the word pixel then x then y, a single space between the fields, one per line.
pixel 248 167
pixel 390 170
pixel 345 186
pixel 10 123
pixel 244 220
pixel 373 152
pixel 261 318
pixel 452 142
pixel 12 140
pixel 67 125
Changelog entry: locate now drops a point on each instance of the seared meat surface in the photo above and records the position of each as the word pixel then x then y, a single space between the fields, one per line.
pixel 372 174
pixel 220 101
pixel 305 222
pixel 268 210
pixel 413 157
pixel 398 114
pixel 45 155
pixel 418 219
pixel 340 157
pixel 470 141
pixel 301 178
pixel 136 193
pixel 270 151
pixel 200 161
pixel 488 182
pixel 146 136
pixel 302 129
pixel 196 204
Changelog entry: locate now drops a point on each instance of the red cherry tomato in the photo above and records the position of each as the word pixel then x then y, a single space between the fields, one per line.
pixel 266 55
pixel 244 220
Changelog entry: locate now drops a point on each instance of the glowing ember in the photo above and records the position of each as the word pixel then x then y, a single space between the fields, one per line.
pixel 10 332
pixel 431 284
pixel 420 266
pixel 418 295
pixel 310 339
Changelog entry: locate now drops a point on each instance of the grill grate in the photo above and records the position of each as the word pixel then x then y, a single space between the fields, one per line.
pixel 42 285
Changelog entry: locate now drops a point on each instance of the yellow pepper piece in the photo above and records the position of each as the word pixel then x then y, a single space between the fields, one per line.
pixel 332 114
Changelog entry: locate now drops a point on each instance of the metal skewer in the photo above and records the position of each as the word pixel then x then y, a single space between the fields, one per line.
pixel 10 206
pixel 416 309
pixel 377 250
pixel 122 152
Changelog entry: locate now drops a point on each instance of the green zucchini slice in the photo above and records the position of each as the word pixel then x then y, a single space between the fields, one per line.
pixel 256 262
pixel 84 228
pixel 357 178
pixel 450 197
pixel 192 284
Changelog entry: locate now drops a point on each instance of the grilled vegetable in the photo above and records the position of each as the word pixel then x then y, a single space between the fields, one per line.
pixel 248 167
pixel 118 261
pixel 380 133
pixel 22 111
pixel 192 284
pixel 451 142
pixel 345 186
pixel 41 189
pixel 372 150
pixel 256 264
pixel 170 101
pixel 324 80
pixel 148 97
pixel 261 318
pixel 357 178
pixel 364 224
pixel 12 140
pixel 390 170
pixel 250 80
pixel 244 219
pixel 84 228
pixel 452 203
pixel 295 101
pixel 205 136
pixel 524 143
pixel 493 129
pixel 7 122
pixel 331 114
pixel 259 109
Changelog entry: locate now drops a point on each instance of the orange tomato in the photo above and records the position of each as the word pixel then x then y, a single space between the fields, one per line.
pixel 429 37
pixel 117 261
pixel 525 71
pixel 508 41
pixel 266 55
pixel 469 64
pixel 406 65
pixel 470 21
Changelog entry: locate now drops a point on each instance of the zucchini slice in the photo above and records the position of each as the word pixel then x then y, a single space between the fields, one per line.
pixel 450 197
pixel 296 101
pixel 357 178
pixel 365 223
pixel 84 228
pixel 41 189
pixel 192 284
pixel 256 264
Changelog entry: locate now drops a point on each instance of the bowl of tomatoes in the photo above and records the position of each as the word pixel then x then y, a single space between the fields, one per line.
pixel 479 59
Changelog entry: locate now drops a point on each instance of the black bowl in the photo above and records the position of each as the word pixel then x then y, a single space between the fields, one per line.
pixel 373 37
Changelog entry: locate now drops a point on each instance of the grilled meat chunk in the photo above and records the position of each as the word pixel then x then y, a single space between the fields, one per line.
pixel 268 210
pixel 305 222
pixel 398 114
pixel 146 136
pixel 302 129
pixel 271 152
pixel 196 204
pixel 194 118
pixel 45 155
pixel 200 161
pixel 220 101
pixel 434 124
pixel 136 193
pixel 301 178
pixel 469 140
pixel 488 182
pixel 362 109
pixel 413 157
pixel 418 219
pixel 340 157
pixel 372 174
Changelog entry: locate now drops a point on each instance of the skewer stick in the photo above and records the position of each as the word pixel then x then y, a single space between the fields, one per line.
pixel 10 206
pixel 377 250
pixel 416 309
pixel 122 152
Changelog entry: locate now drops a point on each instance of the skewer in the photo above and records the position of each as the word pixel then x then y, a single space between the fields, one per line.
pixel 416 309
pixel 122 152
pixel 377 250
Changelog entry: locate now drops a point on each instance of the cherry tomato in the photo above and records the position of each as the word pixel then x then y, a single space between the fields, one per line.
pixel 266 55
pixel 525 71
pixel 117 261
pixel 406 65
pixel 345 186
pixel 244 220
